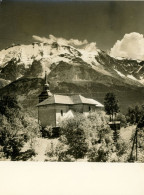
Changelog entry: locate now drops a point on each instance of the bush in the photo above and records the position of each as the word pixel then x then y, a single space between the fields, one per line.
pixel 10 139
pixel 120 117
pixel 2 155
pixel 123 150
pixel 97 129
pixel 99 153
pixel 75 136
pixel 8 103
pixel 84 135
pixel 59 152
pixel 134 114
pixel 89 137
pixel 16 128
pixel 49 131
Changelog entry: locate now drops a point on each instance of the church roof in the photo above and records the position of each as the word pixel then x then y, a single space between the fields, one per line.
pixel 79 99
pixel 69 100
pixel 57 99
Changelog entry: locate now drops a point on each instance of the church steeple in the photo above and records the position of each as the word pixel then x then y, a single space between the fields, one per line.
pixel 46 85
pixel 46 78
pixel 46 91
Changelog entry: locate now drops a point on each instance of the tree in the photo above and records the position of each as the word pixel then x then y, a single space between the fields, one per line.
pixel 135 114
pixel 75 137
pixel 111 105
pixel 85 134
pixel 9 106
pixel 120 117
pixel 11 138
pixel 141 122
pixel 16 128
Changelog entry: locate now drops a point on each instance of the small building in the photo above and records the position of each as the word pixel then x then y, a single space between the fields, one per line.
pixel 115 125
pixel 53 108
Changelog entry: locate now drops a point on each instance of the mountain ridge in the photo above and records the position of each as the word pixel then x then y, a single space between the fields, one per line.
pixel 69 70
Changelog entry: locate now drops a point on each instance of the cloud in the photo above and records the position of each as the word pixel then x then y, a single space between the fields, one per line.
pixel 72 42
pixel 60 41
pixel 76 42
pixel 40 39
pixel 131 46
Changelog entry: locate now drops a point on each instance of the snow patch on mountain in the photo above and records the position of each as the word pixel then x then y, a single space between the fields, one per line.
pixel 119 73
pixel 89 57
pixel 142 81
pixel 132 77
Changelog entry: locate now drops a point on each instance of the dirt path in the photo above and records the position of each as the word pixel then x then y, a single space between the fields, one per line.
pixel 40 146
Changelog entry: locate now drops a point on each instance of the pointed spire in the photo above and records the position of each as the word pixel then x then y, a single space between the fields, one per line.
pixel 46 91
pixel 45 78
pixel 46 85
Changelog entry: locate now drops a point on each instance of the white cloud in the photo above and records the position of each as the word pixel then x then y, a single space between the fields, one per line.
pixel 73 42
pixel 131 46
pixel 61 41
pixel 77 42
pixel 40 39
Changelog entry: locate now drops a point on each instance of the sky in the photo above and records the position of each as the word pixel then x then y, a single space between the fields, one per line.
pixel 102 22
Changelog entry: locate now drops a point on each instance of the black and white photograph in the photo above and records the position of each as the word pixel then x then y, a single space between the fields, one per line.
pixel 72 81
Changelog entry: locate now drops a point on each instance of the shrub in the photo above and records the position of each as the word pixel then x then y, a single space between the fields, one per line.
pixel 121 147
pixel 83 135
pixel 120 117
pixel 14 132
pixel 75 136
pixel 97 129
pixel 98 153
pixel 11 142
pixel 59 152
pixel 89 137
pixel 134 114
pixel 49 130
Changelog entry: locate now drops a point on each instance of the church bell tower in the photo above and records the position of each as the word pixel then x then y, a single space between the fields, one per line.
pixel 46 91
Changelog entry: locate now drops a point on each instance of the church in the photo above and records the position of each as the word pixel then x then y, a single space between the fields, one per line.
pixel 53 108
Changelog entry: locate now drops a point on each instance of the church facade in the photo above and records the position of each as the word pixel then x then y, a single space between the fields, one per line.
pixel 53 108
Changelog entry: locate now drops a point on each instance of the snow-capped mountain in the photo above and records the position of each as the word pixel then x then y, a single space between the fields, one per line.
pixel 47 54
pixel 91 72
pixel 33 60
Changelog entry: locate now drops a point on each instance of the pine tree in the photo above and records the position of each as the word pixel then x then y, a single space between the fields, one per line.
pixel 111 105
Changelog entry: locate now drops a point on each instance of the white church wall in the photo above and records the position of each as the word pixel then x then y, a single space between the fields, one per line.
pixel 61 111
pixel 77 108
pixel 88 108
pixel 47 116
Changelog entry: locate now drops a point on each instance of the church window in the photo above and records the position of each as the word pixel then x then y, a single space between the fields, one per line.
pixel 61 112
